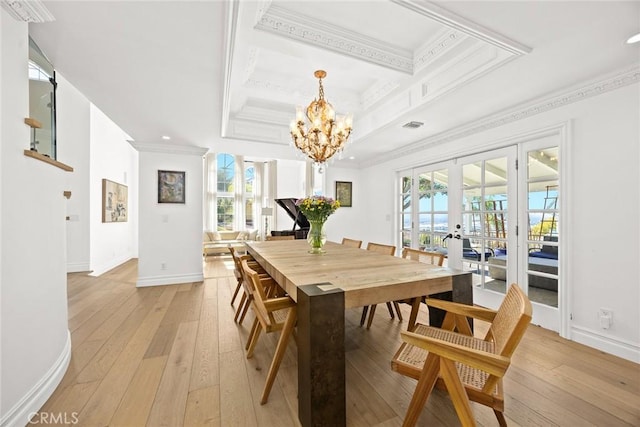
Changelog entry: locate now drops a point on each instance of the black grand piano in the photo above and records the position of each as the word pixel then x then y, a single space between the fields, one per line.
pixel 299 220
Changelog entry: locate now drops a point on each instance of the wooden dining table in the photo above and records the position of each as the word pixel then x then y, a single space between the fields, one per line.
pixel 323 286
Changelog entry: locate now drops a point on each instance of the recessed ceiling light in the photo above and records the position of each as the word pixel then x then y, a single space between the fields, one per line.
pixel 634 39
pixel 352 157
pixel 165 137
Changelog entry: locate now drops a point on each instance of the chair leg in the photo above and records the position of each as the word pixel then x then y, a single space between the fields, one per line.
pixel 287 329
pixel 235 293
pixel 247 303
pixel 415 309
pixel 425 385
pixel 457 392
pixel 253 331
pixel 372 313
pixel 253 342
pixel 363 318
pixel 398 313
pixel 500 417
pixel 390 310
pixel 240 307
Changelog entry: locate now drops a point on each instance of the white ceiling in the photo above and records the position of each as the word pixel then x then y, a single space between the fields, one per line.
pixel 228 75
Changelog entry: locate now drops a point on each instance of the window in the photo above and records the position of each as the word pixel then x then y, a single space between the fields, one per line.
pixel 42 102
pixel 225 197
pixel 249 195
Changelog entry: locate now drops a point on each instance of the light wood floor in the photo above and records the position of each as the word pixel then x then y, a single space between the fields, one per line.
pixel 172 356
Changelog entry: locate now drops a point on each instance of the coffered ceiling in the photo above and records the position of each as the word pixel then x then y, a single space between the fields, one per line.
pixel 229 75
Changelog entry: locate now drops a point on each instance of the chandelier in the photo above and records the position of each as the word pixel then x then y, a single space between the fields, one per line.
pixel 326 134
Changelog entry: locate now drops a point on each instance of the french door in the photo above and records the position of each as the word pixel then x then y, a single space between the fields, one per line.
pixel 491 218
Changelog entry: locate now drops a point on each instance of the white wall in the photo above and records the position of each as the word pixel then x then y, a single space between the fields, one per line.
pixel 112 158
pixel 170 233
pixel 605 194
pixel 73 133
pixel 348 222
pixel 34 337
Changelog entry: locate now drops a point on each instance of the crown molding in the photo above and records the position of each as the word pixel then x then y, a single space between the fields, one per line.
pixel 450 19
pixel 523 111
pixel 28 11
pixel 158 147
pixel 306 29
pixel 435 48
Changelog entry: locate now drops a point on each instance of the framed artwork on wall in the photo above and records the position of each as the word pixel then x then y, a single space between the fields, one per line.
pixel 343 193
pixel 114 201
pixel 171 187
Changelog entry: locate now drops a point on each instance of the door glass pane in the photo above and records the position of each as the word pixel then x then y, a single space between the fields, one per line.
pixel 405 211
pixel 484 228
pixel 542 209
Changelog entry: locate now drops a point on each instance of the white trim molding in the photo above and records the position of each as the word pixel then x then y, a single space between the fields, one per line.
pixel 612 345
pixel 77 267
pixel 31 402
pixel 28 11
pixel 157 147
pixel 174 279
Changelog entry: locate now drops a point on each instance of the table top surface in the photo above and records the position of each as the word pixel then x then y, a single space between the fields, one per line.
pixel 366 277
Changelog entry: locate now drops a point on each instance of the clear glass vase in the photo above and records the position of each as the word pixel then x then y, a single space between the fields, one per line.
pixel 316 237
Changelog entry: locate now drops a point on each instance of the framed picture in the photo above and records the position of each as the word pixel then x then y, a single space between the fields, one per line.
pixel 171 187
pixel 343 193
pixel 114 201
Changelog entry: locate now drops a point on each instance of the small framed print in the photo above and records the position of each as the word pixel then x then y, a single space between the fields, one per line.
pixel 171 187
pixel 114 201
pixel 343 193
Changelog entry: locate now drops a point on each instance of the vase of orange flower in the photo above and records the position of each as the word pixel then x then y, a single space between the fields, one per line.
pixel 317 209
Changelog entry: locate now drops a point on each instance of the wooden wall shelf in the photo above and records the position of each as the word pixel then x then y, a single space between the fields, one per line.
pixel 43 158
pixel 32 122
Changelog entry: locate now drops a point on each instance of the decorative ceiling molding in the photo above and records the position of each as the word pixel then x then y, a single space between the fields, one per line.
pixel 459 23
pixel 433 49
pixel 306 29
pixel 377 92
pixel 161 147
pixel 28 11
pixel 541 105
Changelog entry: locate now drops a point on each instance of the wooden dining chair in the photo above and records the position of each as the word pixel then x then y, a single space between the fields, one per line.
pixel 426 257
pixel 241 311
pixel 352 243
pixel 272 314
pixel 387 250
pixel 281 238
pixel 451 357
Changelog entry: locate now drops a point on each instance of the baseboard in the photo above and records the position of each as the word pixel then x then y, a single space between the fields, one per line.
pixel 110 265
pixel 31 402
pixel 621 348
pixel 169 279
pixel 77 267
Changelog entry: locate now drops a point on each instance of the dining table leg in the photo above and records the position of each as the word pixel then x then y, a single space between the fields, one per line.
pixel 321 356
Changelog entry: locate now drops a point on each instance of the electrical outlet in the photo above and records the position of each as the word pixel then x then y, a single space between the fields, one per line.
pixel 605 316
pixel 163 266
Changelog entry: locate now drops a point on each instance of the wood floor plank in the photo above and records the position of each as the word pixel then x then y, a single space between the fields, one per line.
pixel 203 408
pixel 206 365
pixel 171 399
pixel 137 401
pixel 236 399
pixel 104 402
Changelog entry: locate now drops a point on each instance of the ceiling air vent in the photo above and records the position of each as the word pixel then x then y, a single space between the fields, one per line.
pixel 412 125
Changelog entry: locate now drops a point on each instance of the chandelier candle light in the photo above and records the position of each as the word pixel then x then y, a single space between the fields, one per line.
pixel 326 134
pixel 317 209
